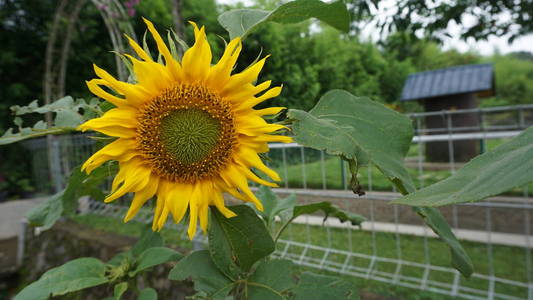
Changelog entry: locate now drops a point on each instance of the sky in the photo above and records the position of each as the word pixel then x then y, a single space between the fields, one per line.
pixel 524 43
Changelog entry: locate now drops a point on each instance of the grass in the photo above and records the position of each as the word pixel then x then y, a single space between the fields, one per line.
pixel 508 262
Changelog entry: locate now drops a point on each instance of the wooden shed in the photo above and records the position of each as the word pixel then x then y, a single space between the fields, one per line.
pixel 452 88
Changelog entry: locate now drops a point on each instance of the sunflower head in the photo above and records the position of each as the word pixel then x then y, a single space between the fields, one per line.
pixel 186 131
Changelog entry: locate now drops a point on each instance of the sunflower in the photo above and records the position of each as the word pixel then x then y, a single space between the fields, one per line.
pixel 186 131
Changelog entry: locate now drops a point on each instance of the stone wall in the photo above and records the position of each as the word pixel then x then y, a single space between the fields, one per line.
pixel 68 240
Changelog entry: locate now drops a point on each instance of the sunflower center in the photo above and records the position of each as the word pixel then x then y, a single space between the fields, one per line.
pixel 187 133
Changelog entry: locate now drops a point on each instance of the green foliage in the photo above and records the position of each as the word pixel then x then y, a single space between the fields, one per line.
pixel 273 205
pixel 271 280
pixel 494 172
pixel 208 279
pixel 315 286
pixel 73 276
pixel 47 213
pixel 68 115
pixel 241 22
pixel 239 241
pixel 329 210
pixel 154 256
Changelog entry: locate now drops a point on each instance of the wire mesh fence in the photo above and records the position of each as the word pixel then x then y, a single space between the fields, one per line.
pixel 393 246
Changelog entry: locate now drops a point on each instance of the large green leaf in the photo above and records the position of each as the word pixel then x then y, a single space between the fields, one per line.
pixel 241 240
pixel 206 276
pixel 315 286
pixel 507 166
pixel 240 22
pixel 357 129
pixel 73 276
pixel 155 256
pixel 270 280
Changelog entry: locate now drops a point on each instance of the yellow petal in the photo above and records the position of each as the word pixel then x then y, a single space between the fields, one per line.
pixel 218 201
pixel 197 59
pixel 141 197
pixel 172 65
pixel 112 150
pixel 152 76
pixel 239 181
pixel 245 77
pixel 94 87
pixel 178 200
pixel 269 111
pixel 135 94
pixel 221 72
pixel 252 159
pixel 193 211
pixel 138 49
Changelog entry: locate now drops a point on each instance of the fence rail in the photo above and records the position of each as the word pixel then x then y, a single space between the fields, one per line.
pixel 394 245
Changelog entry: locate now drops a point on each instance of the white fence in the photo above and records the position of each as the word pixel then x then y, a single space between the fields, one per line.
pixel 393 246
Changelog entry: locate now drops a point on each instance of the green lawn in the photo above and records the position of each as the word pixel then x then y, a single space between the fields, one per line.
pixel 508 262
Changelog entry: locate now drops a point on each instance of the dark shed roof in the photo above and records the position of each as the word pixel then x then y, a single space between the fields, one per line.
pixel 449 81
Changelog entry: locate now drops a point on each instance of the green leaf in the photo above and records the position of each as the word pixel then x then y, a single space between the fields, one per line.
pixel 155 256
pixel 241 240
pixel 47 213
pixel 434 219
pixel 147 294
pixel 315 286
pixel 357 129
pixel 119 290
pixel 149 239
pixel 273 205
pixel 240 22
pixel 507 166
pixel 270 280
pixel 73 276
pixel 205 274
pixel 329 210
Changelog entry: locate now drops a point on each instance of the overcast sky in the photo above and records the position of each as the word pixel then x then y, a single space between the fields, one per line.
pixel 524 43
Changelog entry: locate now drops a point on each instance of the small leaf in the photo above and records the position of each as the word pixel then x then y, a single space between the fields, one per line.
pixel 47 213
pixel 330 210
pixel 315 286
pixel 147 294
pixel 273 205
pixel 434 219
pixel 73 276
pixel 119 290
pixel 240 22
pixel 270 280
pixel 205 274
pixel 242 239
pixel 155 256
pixel 149 239
pixel 507 166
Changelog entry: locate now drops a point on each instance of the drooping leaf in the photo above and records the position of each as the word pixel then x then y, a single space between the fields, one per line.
pixel 47 213
pixel 434 219
pixel 273 205
pixel 240 22
pixel 206 276
pixel 73 276
pixel 357 129
pixel 315 286
pixel 155 256
pixel 270 280
pixel 148 239
pixel 147 294
pixel 508 166
pixel 330 210
pixel 241 240
pixel 24 133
